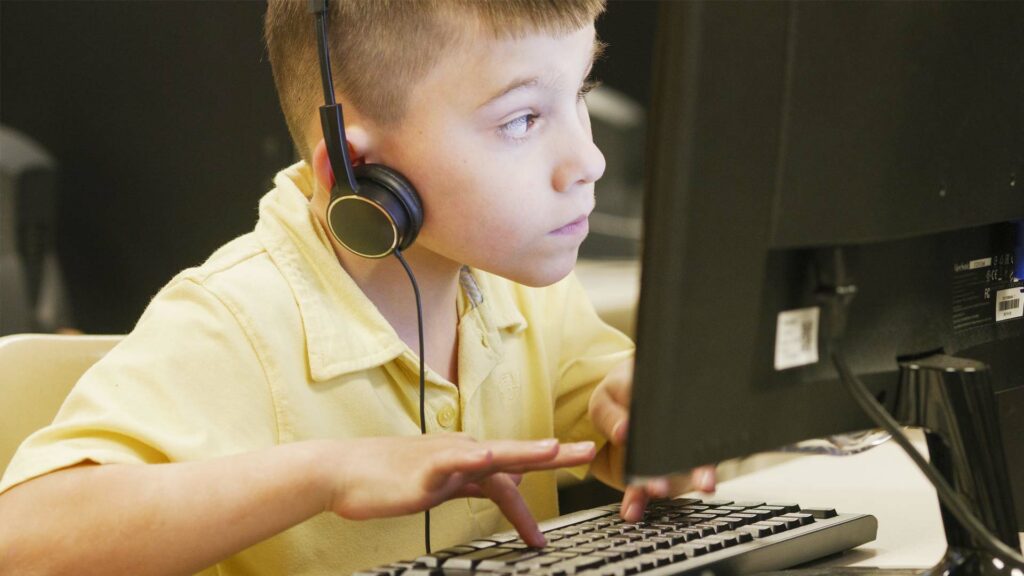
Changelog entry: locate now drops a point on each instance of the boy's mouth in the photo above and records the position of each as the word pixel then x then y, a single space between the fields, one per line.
pixel 579 226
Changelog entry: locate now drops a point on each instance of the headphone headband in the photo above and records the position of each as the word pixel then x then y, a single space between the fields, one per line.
pixel 373 210
pixel 332 119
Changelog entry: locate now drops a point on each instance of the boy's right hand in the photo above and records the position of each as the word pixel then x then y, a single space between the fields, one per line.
pixel 393 476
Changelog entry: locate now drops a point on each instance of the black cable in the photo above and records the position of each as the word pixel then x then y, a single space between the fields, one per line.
pixel 953 501
pixel 423 417
pixel 839 301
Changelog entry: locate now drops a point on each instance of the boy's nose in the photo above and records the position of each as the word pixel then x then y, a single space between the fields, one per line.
pixel 582 162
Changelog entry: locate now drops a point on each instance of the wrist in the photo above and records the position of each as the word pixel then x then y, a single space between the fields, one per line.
pixel 316 473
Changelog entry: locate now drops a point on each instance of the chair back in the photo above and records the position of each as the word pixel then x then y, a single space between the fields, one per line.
pixel 36 373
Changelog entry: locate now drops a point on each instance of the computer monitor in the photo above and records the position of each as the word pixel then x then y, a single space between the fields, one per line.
pixel 781 132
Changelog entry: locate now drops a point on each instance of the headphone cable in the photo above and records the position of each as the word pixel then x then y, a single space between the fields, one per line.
pixel 423 418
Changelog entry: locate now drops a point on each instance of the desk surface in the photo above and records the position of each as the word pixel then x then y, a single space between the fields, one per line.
pixel 882 482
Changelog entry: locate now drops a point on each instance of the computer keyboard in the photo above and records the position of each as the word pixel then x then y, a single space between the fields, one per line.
pixel 679 536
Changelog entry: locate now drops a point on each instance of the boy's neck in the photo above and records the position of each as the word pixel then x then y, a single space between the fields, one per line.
pixel 387 285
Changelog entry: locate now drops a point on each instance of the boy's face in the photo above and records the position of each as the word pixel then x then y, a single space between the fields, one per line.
pixel 497 141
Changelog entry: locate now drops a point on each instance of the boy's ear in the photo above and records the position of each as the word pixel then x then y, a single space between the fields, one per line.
pixel 358 142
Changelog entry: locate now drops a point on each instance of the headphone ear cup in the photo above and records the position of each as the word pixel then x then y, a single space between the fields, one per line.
pixel 384 216
pixel 396 195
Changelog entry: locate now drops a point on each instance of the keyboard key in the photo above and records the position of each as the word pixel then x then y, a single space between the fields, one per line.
pixel 789 523
pixel 743 537
pixel 678 502
pixel 538 562
pixel 626 551
pixel 726 538
pixel 700 516
pixel 435 559
pixel 678 537
pixel 787 506
pixel 612 570
pixel 579 564
pixel 821 513
pixel 761 513
pixel 670 556
pixel 756 531
pixel 710 543
pixel 708 529
pixel 471 559
pixel 662 542
pixel 692 549
pixel 506 560
pixel 611 556
pixel 647 562
pixel 802 517
pixel 775 527
pixel 736 520
pixel 725 524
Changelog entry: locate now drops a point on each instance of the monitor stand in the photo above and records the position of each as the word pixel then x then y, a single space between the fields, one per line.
pixel 953 400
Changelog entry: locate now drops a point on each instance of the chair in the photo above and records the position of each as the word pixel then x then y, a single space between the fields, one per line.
pixel 36 373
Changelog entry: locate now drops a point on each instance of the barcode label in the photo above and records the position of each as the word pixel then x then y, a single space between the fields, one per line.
pixel 1009 304
pixel 796 338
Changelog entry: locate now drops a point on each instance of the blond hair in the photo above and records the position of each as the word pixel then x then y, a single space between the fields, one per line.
pixel 381 48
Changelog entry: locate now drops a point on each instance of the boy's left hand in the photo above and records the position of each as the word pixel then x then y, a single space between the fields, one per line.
pixel 609 411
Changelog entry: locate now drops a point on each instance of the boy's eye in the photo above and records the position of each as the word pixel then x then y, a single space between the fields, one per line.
pixel 518 127
pixel 587 86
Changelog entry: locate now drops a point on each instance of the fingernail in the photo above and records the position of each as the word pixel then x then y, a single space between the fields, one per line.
pixel 658 487
pixel 706 481
pixel 629 512
pixel 617 431
pixel 581 447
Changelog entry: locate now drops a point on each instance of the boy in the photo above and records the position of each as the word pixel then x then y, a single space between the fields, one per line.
pixel 277 381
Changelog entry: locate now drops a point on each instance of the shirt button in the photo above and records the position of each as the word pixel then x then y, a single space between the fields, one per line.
pixel 446 417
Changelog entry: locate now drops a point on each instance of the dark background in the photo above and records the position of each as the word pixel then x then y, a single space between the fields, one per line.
pixel 163 119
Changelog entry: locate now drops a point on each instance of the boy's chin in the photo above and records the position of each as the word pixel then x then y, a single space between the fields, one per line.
pixel 538 275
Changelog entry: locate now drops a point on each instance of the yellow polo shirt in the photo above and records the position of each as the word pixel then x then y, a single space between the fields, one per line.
pixel 270 341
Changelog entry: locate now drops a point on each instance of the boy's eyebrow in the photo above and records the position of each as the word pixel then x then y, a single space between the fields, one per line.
pixel 596 52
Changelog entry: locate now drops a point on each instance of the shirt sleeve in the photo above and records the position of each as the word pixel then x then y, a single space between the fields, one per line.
pixel 185 384
pixel 589 349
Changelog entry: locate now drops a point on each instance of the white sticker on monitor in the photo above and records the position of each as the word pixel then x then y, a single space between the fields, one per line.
pixel 1009 304
pixel 796 338
pixel 980 263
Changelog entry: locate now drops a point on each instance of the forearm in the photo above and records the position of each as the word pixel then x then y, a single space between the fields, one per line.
pixel 156 519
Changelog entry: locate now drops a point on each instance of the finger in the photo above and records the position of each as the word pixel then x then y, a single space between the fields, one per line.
pixel 634 500
pixel 658 487
pixel 570 454
pixel 609 416
pixel 471 490
pixel 705 478
pixel 504 492
pixel 455 461
pixel 621 384
pixel 512 452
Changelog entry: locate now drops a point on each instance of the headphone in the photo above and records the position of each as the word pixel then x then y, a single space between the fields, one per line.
pixel 374 211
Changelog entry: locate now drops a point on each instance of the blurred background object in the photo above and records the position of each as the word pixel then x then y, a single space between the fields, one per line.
pixel 33 296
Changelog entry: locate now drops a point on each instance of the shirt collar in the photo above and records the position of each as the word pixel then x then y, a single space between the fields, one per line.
pixel 343 329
